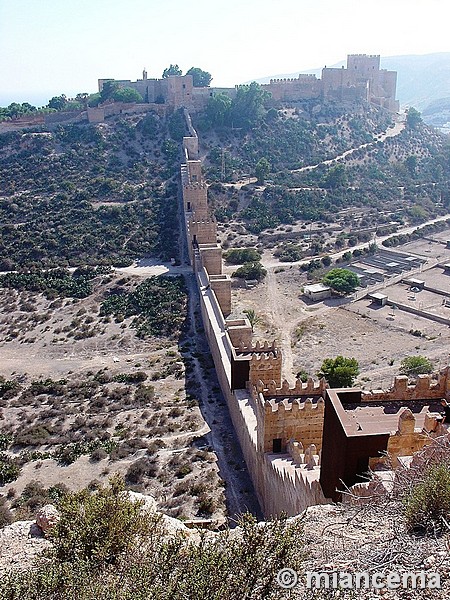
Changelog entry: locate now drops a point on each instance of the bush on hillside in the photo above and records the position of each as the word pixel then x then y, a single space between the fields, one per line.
pixel 106 547
pixel 239 256
pixel 427 506
pixel 251 270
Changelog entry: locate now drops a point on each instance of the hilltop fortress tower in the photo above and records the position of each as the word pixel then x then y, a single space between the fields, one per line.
pixel 361 80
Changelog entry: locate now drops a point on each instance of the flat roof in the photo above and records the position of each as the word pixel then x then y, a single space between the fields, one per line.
pixel 379 416
pixel 316 287
pixel 378 296
pixel 383 417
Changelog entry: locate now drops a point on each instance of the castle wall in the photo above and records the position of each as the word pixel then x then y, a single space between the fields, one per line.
pixel 286 488
pixel 195 198
pixel 240 332
pixel 204 232
pixel 211 257
pixel 221 286
pixel 305 87
pixel 301 421
pixel 22 123
pixel 425 387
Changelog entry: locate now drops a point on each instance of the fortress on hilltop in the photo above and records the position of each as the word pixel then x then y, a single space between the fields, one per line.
pixel 361 80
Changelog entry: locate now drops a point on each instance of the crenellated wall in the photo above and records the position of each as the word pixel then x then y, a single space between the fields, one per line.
pixel 281 483
pixel 424 388
pixel 289 414
pixel 299 420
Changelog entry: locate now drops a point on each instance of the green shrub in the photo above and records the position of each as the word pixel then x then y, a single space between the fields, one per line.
pixel 253 270
pixel 105 548
pixel 427 507
pixel 158 306
pixel 239 256
pixel 6 516
pixel 137 377
pixel 99 527
pixel 415 365
pixel 9 469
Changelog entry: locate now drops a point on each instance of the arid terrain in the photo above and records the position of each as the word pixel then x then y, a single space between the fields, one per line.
pixel 91 398
pixel 378 337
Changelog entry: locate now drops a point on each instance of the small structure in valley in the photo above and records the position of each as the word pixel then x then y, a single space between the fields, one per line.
pixel 317 292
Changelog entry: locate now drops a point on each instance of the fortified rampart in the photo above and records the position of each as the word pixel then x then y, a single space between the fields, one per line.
pixel 425 387
pixel 300 443
pixel 283 482
pixel 361 80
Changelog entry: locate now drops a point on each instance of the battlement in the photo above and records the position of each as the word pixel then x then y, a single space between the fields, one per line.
pixel 424 388
pixel 258 347
pixel 310 387
pixel 264 362
pixel 296 405
pixel 304 456
pixel 363 56
pixel 301 77
pixel 200 185
pixel 258 357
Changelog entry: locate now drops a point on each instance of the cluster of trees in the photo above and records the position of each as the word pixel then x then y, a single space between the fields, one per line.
pixel 158 306
pixel 57 282
pixel 16 110
pixel 343 281
pixel 340 371
pixel 278 205
pixel 200 78
pixel 112 90
pixel 244 111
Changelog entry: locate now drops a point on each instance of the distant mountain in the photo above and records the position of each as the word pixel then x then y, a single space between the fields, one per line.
pixel 422 79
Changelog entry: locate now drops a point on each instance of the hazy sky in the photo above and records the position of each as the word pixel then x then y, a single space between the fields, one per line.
pixel 50 47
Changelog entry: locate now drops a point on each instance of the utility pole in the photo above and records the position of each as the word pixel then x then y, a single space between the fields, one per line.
pixel 222 174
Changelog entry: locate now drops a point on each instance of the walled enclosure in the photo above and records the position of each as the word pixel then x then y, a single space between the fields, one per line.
pixel 361 80
pixel 299 442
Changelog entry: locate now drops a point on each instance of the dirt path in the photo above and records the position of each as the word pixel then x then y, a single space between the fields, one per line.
pixel 391 132
pixel 276 308
pixel 239 491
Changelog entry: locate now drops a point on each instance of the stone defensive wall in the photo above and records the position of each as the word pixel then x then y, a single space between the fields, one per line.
pixel 425 387
pixel 22 123
pixel 283 482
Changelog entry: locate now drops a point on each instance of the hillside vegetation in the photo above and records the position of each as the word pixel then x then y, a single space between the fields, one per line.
pixel 398 179
pixel 89 194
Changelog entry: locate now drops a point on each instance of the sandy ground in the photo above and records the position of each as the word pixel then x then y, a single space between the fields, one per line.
pixel 378 338
pixel 37 342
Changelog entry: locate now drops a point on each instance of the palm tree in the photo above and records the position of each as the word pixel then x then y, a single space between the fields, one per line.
pixel 252 317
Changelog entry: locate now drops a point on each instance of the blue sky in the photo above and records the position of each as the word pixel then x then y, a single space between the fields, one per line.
pixel 50 47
